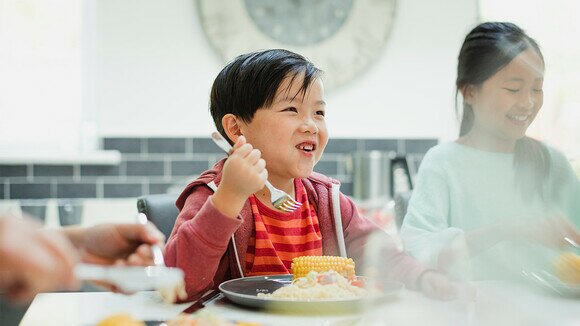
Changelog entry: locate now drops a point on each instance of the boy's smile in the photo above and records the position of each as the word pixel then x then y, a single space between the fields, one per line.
pixel 291 133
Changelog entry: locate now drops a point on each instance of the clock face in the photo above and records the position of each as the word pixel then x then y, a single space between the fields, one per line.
pixel 341 37
pixel 299 22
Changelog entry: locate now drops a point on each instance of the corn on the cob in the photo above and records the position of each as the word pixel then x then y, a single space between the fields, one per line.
pixel 567 268
pixel 302 265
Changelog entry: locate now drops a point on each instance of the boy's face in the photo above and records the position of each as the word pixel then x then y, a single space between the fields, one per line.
pixel 291 133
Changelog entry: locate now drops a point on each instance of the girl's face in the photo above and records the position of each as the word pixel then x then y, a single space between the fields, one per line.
pixel 505 105
pixel 291 133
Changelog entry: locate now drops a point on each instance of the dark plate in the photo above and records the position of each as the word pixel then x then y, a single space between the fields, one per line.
pixel 244 291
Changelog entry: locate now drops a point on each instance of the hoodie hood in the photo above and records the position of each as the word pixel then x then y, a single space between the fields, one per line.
pixel 214 174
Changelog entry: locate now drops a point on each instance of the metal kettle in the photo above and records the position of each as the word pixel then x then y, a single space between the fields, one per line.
pixel 379 175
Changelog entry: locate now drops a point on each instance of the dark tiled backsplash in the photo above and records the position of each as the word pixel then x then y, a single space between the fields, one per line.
pixel 159 165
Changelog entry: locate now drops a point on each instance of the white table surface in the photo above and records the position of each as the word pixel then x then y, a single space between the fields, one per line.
pixel 495 303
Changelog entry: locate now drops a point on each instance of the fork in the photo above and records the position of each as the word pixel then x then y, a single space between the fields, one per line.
pixel 156 251
pixel 280 199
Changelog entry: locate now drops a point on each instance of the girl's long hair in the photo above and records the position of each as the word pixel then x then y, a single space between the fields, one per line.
pixel 487 49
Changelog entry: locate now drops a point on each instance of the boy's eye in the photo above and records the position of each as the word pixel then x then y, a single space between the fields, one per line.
pixel 290 109
pixel 322 113
pixel 538 90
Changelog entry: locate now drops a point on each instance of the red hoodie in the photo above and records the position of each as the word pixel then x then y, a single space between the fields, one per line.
pixel 211 247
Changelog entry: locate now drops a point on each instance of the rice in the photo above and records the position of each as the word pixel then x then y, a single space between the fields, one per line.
pixel 327 285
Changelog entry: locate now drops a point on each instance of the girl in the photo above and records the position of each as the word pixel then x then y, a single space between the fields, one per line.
pixel 494 186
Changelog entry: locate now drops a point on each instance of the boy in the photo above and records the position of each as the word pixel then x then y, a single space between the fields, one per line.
pixel 270 106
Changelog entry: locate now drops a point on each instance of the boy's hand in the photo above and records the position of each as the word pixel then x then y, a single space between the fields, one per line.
pixel 244 173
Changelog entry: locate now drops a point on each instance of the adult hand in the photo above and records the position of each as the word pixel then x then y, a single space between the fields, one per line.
pixel 120 244
pixel 33 260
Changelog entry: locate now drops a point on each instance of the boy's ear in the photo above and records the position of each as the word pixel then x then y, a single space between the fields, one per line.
pixel 231 127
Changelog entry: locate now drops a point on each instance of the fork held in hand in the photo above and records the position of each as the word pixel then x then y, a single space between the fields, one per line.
pixel 156 251
pixel 280 199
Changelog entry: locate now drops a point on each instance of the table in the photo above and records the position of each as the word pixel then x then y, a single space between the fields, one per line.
pixel 495 303
pixel 88 308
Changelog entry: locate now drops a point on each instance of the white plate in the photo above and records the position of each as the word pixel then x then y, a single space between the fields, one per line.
pixel 132 278
pixel 244 291
pixel 552 283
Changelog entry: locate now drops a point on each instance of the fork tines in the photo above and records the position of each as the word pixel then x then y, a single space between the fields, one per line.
pixel 287 204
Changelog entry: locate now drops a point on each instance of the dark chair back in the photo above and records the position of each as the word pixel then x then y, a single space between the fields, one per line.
pixel 160 209
pixel 401 204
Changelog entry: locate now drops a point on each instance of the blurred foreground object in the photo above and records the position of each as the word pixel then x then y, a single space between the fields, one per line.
pixel 567 268
pixel 120 320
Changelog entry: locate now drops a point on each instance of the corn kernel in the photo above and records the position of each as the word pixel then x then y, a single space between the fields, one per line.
pixel 304 264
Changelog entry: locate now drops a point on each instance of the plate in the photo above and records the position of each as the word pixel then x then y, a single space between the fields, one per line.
pixel 552 283
pixel 132 278
pixel 244 291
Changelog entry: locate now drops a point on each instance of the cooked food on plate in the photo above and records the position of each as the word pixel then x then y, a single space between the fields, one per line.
pixel 567 268
pixel 301 266
pixel 120 320
pixel 200 318
pixel 324 285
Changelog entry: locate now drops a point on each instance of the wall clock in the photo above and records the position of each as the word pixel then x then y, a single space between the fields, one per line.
pixel 342 37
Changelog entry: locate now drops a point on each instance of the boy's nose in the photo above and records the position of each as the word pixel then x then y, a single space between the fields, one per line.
pixel 309 126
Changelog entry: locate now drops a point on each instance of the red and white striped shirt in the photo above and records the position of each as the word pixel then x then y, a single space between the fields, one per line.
pixel 278 237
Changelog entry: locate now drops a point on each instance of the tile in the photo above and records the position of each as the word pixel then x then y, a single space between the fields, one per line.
pixel 205 145
pixel 30 191
pixel 346 188
pixel 178 185
pixel 122 190
pixel 70 212
pixel 188 167
pixel 417 160
pixel 159 188
pixel 123 145
pixel 99 170
pixel 327 167
pixel 166 145
pixel 385 145
pixel 76 190
pixel 34 208
pixel 213 160
pixel 12 171
pixel 145 168
pixel 419 145
pixel 343 146
pixel 40 170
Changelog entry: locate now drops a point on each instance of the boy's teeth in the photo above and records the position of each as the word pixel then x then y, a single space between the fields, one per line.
pixel 306 147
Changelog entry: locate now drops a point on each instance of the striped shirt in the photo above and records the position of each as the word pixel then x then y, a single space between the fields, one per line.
pixel 278 237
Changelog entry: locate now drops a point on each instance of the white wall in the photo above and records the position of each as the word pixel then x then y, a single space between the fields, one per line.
pixel 155 68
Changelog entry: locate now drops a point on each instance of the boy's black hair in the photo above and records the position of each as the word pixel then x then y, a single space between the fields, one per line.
pixel 250 81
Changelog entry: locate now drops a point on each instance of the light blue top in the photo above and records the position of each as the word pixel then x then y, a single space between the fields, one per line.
pixel 460 189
